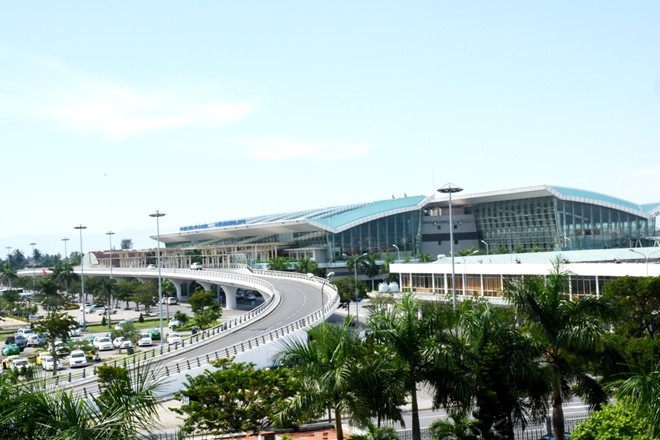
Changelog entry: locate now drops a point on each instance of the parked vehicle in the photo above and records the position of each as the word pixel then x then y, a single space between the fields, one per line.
pixel 48 363
pixel 10 349
pixel 122 342
pixel 25 331
pixel 77 358
pixel 145 340
pixel 36 340
pixel 21 341
pixel 20 363
pixel 103 343
pixel 174 338
pixel 120 324
pixel 196 266
pixel 154 333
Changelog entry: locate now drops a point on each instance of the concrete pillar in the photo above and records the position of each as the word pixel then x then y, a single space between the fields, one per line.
pixel 177 285
pixel 205 284
pixel 230 296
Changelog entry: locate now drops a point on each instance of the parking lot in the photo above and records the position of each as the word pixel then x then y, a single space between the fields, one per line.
pixel 121 314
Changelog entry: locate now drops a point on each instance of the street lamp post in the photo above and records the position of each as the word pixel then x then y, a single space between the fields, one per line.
pixel 570 243
pixel 109 311
pixel 158 215
pixel 34 283
pixel 398 254
pixel 82 276
pixel 66 256
pixel 487 247
pixel 327 278
pixel 9 262
pixel 451 189
pixel 646 257
pixel 357 303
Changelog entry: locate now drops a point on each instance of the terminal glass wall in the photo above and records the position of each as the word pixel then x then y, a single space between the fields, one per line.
pixel 549 224
pixel 517 225
pixel 379 236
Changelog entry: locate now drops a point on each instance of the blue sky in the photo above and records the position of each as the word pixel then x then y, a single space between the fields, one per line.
pixel 216 110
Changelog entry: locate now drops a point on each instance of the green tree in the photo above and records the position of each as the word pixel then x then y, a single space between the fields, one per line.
pixel 346 289
pixel 56 326
pixel 325 366
pixel 370 268
pixel 641 391
pixel 236 397
pixel 307 265
pixel 201 300
pixel 639 300
pixel 571 332
pixel 208 316
pixel 146 294
pixel 616 421
pixel 279 263
pixel 504 380
pixel 120 412
pixel 49 296
pixel 125 289
pixel 63 273
pixel 408 328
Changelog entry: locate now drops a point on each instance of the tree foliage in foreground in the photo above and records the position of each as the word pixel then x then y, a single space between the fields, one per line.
pixel 234 398
pixel 616 421
pixel 124 410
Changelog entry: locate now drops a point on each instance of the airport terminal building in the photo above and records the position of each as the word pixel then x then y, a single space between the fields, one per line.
pixel 532 219
pixel 514 232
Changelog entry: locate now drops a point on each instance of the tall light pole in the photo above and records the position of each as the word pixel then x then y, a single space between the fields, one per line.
pixel 398 254
pixel 9 263
pixel 451 189
pixel 82 276
pixel 570 243
pixel 34 283
pixel 66 256
pixel 487 248
pixel 158 215
pixel 327 278
pixel 646 257
pixel 109 311
pixel 357 303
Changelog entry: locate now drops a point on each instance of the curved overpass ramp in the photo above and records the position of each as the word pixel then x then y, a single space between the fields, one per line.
pixel 293 305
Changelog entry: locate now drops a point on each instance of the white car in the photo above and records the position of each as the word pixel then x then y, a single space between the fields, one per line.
pixel 25 331
pixel 170 300
pixel 19 363
pixel 121 342
pixel 145 340
pixel 36 340
pixel 103 343
pixel 48 363
pixel 196 266
pixel 173 323
pixel 174 338
pixel 77 358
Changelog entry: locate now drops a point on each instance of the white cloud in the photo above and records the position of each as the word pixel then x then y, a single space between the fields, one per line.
pixel 84 103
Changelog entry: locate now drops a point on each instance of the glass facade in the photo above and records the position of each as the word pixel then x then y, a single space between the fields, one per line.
pixel 547 224
pixel 378 236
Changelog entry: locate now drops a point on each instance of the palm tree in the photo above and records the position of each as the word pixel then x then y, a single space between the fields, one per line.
pixel 505 381
pixel 370 268
pixel 641 390
pixel 407 328
pixel 123 410
pixel 325 366
pixel 7 274
pixel 571 333
pixel 279 263
pixel 63 273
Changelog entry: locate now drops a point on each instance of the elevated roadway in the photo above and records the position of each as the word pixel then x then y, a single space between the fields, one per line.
pixel 293 304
